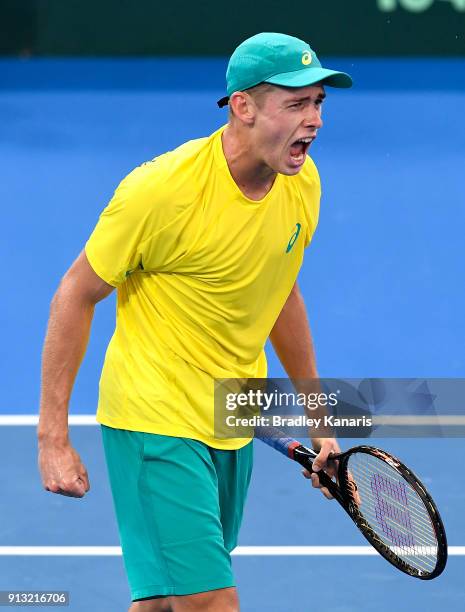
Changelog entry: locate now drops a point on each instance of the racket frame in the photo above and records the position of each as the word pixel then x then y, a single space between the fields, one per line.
pixel 343 493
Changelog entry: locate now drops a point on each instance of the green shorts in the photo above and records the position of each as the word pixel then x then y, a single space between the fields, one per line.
pixel 179 506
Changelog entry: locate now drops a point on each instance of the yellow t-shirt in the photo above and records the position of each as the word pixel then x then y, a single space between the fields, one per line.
pixel 202 274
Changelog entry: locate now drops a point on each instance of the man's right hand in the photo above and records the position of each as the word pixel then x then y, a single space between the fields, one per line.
pixel 62 470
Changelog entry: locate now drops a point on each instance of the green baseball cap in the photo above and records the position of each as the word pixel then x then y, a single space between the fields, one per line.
pixel 278 59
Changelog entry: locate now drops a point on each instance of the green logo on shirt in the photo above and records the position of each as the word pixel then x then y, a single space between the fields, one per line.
pixel 294 237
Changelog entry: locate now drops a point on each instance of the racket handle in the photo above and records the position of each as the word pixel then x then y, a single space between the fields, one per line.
pixel 296 451
pixel 277 440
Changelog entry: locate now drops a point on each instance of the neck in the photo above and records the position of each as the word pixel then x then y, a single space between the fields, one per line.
pixel 253 177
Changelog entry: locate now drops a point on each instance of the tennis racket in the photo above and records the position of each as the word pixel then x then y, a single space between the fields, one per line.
pixel 384 498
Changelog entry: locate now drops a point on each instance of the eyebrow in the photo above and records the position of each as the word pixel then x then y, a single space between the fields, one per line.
pixel 320 96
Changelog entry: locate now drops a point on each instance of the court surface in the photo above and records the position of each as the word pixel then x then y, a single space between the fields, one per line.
pixel 382 281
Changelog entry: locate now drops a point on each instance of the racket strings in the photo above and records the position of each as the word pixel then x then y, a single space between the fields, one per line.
pixel 419 556
pixel 397 535
pixel 397 525
pixel 420 547
pixel 416 513
pixel 395 511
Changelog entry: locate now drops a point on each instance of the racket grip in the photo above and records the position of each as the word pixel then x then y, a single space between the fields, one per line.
pixel 277 440
pixel 296 451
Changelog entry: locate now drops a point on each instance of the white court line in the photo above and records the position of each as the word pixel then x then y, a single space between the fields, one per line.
pixel 268 551
pixel 443 420
pixel 406 420
pixel 320 551
pixel 240 551
pixel 32 419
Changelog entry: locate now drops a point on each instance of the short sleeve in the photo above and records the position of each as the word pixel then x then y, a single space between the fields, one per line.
pixel 115 247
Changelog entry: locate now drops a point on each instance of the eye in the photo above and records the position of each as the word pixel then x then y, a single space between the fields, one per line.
pixel 296 105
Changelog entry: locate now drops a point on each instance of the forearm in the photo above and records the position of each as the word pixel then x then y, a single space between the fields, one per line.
pixel 292 340
pixel 64 348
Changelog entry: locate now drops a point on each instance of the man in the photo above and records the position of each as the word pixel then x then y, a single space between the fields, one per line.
pixel 204 245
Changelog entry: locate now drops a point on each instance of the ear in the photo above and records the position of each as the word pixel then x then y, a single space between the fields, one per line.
pixel 243 107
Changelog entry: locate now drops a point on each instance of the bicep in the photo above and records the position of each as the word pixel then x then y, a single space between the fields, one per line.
pixel 83 281
pixel 295 290
pixel 282 322
pixel 295 293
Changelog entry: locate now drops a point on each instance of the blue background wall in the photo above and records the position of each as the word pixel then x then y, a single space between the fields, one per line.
pixel 383 278
pixel 383 281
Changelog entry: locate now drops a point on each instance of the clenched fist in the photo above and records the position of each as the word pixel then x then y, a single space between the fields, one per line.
pixel 62 471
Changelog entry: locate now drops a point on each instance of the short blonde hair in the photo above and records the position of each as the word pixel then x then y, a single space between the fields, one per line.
pixel 257 92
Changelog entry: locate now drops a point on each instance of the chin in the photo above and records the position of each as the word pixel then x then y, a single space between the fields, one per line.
pixel 287 171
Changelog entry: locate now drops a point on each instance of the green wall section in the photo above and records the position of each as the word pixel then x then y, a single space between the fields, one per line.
pixel 215 27
pixel 18 26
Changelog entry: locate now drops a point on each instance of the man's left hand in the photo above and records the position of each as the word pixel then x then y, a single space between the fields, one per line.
pixel 325 448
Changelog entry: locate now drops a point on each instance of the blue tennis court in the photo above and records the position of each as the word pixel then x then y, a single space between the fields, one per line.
pixel 382 283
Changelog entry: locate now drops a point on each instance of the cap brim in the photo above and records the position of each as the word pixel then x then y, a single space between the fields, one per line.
pixel 310 76
pixel 304 78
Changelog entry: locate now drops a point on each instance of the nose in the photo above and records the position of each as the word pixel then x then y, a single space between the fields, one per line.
pixel 313 117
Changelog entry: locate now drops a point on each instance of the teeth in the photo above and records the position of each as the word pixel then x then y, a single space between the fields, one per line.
pixel 305 140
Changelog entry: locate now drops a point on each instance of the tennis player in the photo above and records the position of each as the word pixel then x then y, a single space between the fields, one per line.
pixel 204 245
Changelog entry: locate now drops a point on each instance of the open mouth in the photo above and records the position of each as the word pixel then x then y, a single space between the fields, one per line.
pixel 299 149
